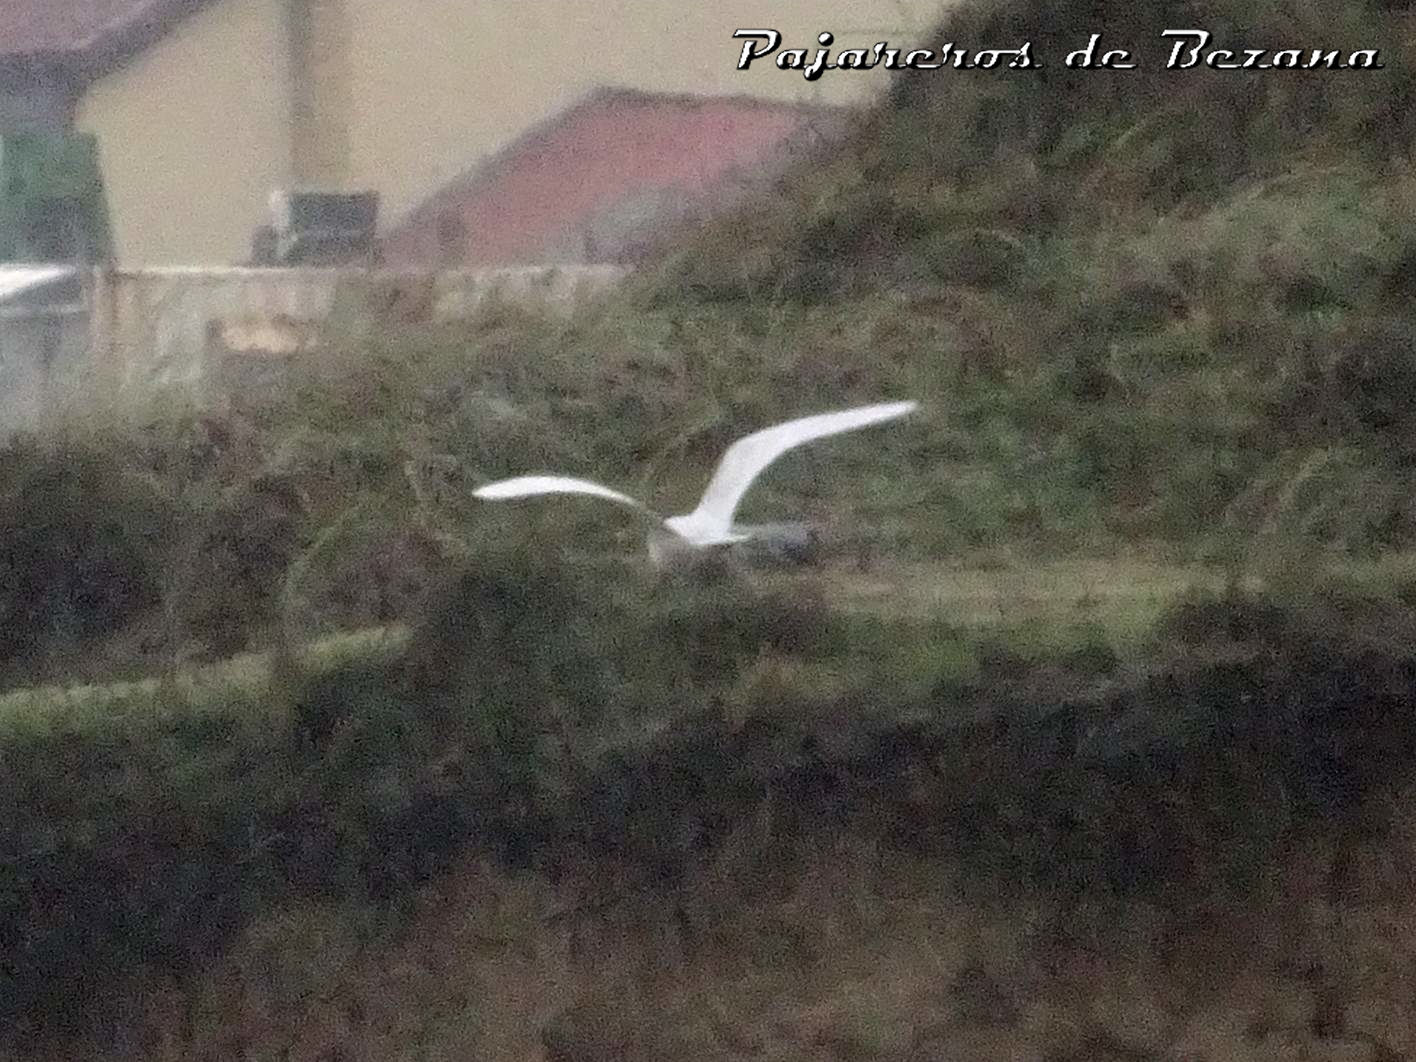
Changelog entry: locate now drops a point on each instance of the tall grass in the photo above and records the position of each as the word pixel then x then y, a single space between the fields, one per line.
pixel 1158 311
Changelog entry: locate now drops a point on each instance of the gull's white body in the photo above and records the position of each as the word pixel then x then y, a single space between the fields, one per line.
pixel 711 523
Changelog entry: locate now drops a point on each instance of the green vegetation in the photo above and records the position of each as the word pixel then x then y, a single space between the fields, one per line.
pixel 556 717
pixel 1140 622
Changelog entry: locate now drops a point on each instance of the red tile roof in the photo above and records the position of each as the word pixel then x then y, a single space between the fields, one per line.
pixel 85 29
pixel 621 164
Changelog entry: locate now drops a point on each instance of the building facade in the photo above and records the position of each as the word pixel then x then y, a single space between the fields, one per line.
pixel 203 107
pixel 603 180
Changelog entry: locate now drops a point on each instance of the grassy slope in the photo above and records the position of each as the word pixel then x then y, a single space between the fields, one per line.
pixel 1144 306
pixel 953 885
pixel 1125 598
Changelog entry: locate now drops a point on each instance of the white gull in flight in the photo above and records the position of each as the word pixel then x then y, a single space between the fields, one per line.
pixel 711 524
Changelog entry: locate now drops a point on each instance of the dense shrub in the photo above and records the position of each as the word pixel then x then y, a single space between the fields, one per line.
pixel 1149 305
pixel 81 546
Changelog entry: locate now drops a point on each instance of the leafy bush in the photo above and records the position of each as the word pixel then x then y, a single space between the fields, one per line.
pixel 1142 306
pixel 81 542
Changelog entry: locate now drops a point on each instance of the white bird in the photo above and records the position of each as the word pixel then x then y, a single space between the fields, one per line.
pixel 711 524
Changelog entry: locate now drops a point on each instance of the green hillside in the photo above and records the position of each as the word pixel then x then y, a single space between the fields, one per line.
pixel 1118 627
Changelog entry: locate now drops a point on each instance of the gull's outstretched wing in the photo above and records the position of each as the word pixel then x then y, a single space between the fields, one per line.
pixel 527 486
pixel 746 458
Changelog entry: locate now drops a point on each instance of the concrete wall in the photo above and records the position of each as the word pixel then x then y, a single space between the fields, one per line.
pixel 198 331
pixel 209 334
pixel 194 134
